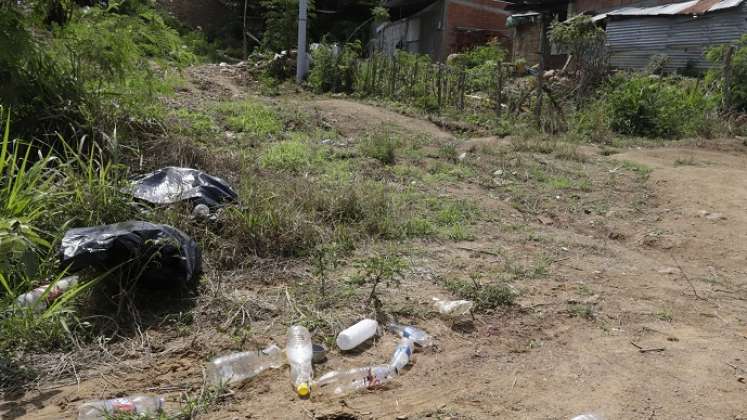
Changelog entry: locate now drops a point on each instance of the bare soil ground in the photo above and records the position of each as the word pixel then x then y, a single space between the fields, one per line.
pixel 633 299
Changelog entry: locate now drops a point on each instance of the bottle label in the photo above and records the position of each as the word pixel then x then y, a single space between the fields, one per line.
pixel 123 405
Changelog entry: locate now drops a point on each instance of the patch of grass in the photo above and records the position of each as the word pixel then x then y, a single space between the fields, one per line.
pixel 448 152
pixel 250 117
pixel 485 296
pixel 639 168
pixel 664 315
pixel 294 155
pixel 380 145
pixel 688 161
pixel 196 123
pixel 440 172
pixel 578 310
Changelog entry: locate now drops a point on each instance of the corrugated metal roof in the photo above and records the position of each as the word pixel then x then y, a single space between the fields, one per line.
pixel 632 41
pixel 692 7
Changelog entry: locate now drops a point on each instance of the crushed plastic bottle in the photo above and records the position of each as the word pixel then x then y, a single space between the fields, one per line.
pixel 453 307
pixel 418 336
pixel 32 298
pixel 347 381
pixel 356 334
pixel 238 367
pixel 136 404
pixel 402 355
pixel 299 353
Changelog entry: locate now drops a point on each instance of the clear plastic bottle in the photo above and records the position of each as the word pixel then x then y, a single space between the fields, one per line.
pixel 32 298
pixel 356 334
pixel 452 307
pixel 299 353
pixel 136 404
pixel 418 336
pixel 588 416
pixel 238 367
pixel 402 355
pixel 346 381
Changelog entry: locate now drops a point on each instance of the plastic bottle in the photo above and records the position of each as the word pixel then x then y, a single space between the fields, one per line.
pixel 354 335
pixel 136 404
pixel 299 353
pixel 31 299
pixel 238 367
pixel 418 336
pixel 588 416
pixel 402 355
pixel 346 381
pixel 452 307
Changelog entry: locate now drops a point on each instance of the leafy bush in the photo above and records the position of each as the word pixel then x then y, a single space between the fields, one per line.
pixel 84 76
pixel 641 105
pixel 333 68
pixel 739 72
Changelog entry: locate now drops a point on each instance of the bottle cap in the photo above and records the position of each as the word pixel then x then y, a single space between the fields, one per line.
pixel 302 390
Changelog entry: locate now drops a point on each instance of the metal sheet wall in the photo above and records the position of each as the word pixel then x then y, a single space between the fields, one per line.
pixel 633 41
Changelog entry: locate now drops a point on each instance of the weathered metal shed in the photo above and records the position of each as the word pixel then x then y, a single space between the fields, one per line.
pixel 681 31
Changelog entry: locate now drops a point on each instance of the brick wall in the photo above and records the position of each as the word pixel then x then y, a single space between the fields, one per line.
pixel 469 15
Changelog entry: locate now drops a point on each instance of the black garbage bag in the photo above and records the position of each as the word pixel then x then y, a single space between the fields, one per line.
pixel 171 184
pixel 160 255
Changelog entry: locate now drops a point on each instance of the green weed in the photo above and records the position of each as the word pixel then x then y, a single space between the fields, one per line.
pixel 485 296
pixel 250 117
pixel 380 145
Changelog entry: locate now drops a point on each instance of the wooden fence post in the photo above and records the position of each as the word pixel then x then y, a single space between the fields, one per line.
pixel 540 73
pixel 462 75
pixel 727 105
pixel 499 93
pixel 439 93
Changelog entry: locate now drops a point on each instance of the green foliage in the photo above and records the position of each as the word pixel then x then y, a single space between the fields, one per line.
pixel 294 155
pixel 281 23
pixel 333 68
pixel 250 117
pixel 478 56
pixel 641 105
pixel 739 72
pixel 88 74
pixel 576 33
pixel 380 145
pixel 380 268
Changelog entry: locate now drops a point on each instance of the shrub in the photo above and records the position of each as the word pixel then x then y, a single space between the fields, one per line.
pixel 649 106
pixel 380 146
pixel 333 68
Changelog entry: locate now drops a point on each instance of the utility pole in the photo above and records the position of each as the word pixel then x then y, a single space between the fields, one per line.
pixel 301 55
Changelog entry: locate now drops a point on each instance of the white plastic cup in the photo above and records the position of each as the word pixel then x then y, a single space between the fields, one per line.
pixel 354 335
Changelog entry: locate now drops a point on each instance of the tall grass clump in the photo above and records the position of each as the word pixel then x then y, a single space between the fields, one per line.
pixel 738 88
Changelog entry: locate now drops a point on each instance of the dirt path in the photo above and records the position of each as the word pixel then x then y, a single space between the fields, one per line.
pixel 665 337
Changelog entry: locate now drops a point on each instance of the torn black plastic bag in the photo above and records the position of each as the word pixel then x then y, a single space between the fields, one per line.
pixel 171 184
pixel 160 256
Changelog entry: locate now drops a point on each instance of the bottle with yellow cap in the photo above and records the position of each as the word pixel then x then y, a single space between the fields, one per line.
pixel 299 352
